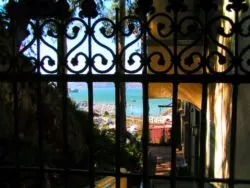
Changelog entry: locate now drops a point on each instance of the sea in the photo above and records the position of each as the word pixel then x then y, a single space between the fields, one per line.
pixel 134 102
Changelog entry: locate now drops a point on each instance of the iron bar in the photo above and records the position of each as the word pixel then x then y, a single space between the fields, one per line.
pixel 175 61
pixel 91 112
pixel 199 79
pixel 233 131
pixel 200 164
pixel 64 92
pixel 174 133
pixel 117 104
pixel 205 44
pixel 131 175
pixel 104 173
pixel 145 135
pixel 118 134
pixel 39 111
pixel 145 85
pixel 90 136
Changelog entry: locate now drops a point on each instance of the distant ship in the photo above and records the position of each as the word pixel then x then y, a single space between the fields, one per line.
pixel 73 90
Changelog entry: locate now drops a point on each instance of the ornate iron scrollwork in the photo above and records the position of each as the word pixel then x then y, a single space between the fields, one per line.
pixel 176 41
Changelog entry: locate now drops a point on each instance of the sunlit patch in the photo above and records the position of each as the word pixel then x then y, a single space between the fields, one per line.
pixel 220 112
pixel 218 131
pixel 208 138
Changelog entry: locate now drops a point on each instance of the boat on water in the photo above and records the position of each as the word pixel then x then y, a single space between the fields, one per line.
pixel 73 90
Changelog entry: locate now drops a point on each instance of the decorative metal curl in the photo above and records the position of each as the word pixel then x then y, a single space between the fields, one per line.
pixel 134 27
pixel 161 62
pixel 131 62
pixel 191 28
pixel 80 37
pixel 222 61
pixel 127 26
pixel 158 29
pixel 219 29
pixel 35 35
pixel 104 63
pixel 50 63
pixel 130 25
pixel 75 66
pixel 109 36
pixel 50 33
pixel 161 26
pixel 75 32
pixel 108 30
pixel 190 64
pixel 159 40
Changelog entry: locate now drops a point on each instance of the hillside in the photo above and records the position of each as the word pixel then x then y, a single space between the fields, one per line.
pixel 48 109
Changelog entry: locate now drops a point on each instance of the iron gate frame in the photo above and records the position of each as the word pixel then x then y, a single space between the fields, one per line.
pixel 235 74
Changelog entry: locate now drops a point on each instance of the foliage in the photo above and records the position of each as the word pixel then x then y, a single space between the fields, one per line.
pixel 130 152
pixel 51 119
pixel 74 6
pixel 106 114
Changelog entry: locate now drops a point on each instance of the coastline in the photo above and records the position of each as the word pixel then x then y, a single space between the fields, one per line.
pixel 106 95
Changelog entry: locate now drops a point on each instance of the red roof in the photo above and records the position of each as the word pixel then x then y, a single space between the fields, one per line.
pixel 157 131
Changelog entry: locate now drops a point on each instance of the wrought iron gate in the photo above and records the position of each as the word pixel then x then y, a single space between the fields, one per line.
pixel 201 50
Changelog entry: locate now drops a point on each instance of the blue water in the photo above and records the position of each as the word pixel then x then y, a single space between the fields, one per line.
pixel 106 95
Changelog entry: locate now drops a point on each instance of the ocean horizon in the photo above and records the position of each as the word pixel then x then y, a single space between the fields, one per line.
pixel 134 102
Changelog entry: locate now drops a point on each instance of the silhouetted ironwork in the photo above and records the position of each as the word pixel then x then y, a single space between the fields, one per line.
pixel 190 27
pixel 93 54
pixel 89 9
